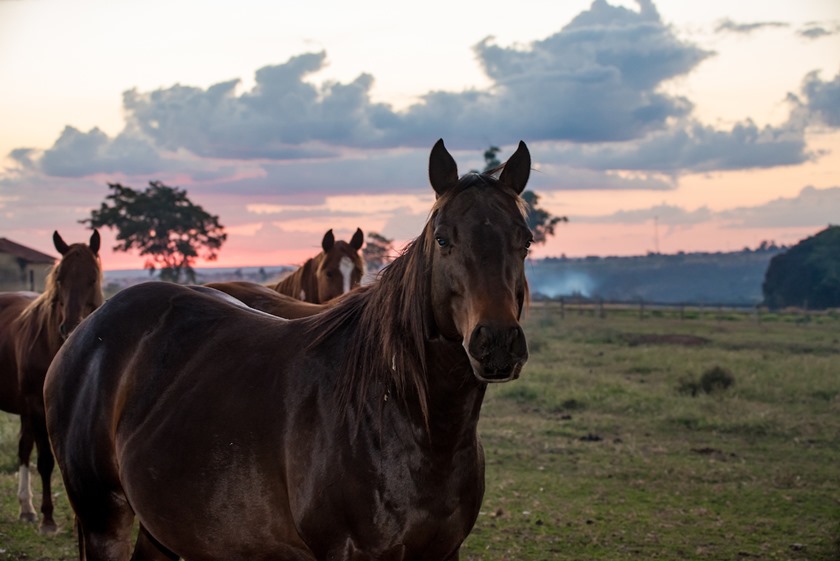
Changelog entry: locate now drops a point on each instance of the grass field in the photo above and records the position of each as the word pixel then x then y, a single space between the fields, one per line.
pixel 667 435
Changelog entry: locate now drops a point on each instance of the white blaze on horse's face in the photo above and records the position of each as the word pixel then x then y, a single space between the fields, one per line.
pixel 346 267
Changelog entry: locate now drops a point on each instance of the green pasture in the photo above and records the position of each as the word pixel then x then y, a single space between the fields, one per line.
pixel 633 433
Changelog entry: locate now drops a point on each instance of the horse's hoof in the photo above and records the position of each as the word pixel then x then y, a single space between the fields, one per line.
pixel 28 517
pixel 48 529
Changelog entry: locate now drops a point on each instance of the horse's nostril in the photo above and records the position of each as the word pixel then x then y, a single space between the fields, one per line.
pixel 502 341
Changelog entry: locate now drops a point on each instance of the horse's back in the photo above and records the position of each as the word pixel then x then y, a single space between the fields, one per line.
pixel 12 304
pixel 268 300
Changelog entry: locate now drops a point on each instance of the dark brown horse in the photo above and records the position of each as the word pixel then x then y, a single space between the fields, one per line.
pixel 268 300
pixel 348 435
pixel 32 328
pixel 335 271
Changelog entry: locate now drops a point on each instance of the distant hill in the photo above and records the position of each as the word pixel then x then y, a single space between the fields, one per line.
pixel 733 279
pixel 807 275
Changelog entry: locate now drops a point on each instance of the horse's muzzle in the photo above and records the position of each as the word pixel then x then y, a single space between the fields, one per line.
pixel 497 353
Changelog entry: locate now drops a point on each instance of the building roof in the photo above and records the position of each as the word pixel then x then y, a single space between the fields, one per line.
pixel 25 253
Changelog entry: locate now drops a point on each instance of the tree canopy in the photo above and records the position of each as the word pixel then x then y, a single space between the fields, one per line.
pixel 378 251
pixel 163 224
pixel 807 275
pixel 540 221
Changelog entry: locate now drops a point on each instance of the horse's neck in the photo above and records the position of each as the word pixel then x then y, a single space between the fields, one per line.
pixel 301 284
pixel 454 395
pixel 38 328
pixel 291 285
pixel 309 279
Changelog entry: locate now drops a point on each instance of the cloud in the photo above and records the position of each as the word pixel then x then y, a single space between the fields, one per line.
pixel 664 214
pixel 597 80
pixel 283 117
pixel 78 154
pixel 729 26
pixel 695 148
pixel 818 30
pixel 821 104
pixel 590 100
pixel 810 208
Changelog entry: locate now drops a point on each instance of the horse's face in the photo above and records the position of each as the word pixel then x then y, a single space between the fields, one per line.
pixel 78 282
pixel 478 239
pixel 341 268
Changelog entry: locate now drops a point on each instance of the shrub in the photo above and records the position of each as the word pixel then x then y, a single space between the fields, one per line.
pixel 716 378
pixel 713 380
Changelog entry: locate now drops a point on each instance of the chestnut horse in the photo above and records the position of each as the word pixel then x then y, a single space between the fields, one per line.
pixel 32 328
pixel 348 435
pixel 335 271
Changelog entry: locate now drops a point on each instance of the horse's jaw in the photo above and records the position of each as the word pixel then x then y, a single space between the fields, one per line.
pixel 490 374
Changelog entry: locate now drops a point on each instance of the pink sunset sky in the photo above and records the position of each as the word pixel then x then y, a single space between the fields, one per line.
pixel 669 125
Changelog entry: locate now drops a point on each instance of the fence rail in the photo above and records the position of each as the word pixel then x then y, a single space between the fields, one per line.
pixel 602 309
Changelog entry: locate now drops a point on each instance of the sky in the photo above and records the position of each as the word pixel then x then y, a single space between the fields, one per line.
pixel 653 126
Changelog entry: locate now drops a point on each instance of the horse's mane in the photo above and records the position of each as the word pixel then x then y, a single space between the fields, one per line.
pixel 41 315
pixel 391 320
pixel 292 284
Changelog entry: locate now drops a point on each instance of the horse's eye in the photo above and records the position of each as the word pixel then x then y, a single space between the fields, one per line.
pixel 329 274
pixel 442 242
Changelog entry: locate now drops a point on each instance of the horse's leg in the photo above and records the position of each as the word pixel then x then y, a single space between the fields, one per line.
pixel 77 527
pixel 25 443
pixel 148 548
pixel 46 463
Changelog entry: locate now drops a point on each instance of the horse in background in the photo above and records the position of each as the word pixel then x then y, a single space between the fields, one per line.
pixel 338 269
pixel 32 329
pixel 351 434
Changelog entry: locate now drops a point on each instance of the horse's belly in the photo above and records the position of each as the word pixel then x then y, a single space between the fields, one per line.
pixel 199 510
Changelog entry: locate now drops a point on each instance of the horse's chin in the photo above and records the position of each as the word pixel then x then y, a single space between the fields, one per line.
pixel 492 374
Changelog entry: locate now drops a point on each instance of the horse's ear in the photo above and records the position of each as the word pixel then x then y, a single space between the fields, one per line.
pixel 517 169
pixel 328 241
pixel 443 172
pixel 357 240
pixel 59 243
pixel 94 242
